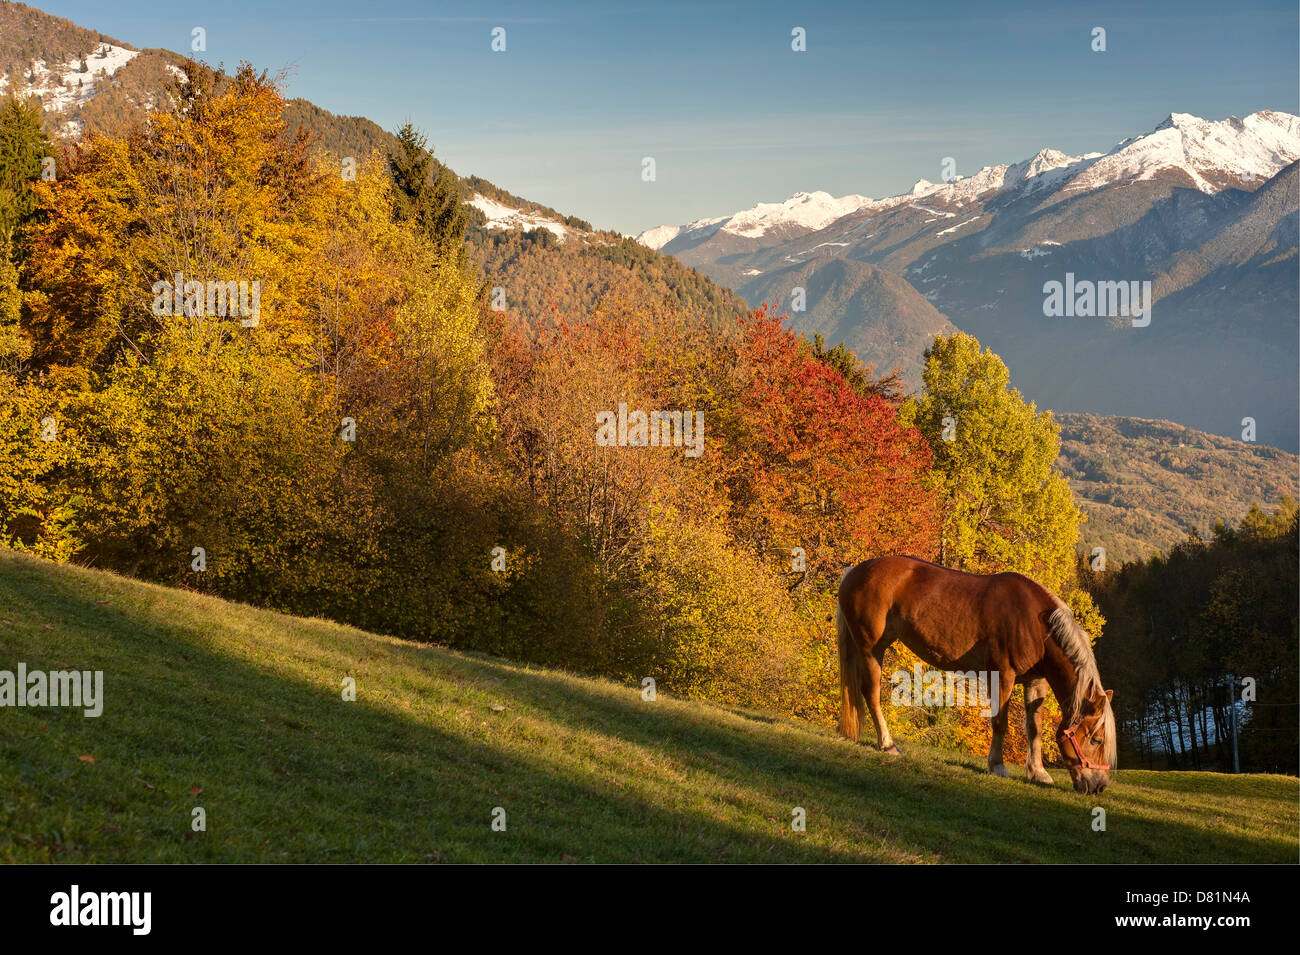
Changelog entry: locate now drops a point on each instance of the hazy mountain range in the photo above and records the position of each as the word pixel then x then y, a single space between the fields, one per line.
pixel 1206 211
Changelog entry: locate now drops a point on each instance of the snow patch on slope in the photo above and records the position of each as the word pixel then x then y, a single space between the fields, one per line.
pixel 957 226
pixel 64 86
pixel 500 216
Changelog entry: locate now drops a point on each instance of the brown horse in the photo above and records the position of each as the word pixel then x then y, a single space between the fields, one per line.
pixel 1003 624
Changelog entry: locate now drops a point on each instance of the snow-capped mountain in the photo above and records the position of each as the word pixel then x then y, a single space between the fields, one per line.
pixel 1204 210
pixel 802 212
pixel 1212 155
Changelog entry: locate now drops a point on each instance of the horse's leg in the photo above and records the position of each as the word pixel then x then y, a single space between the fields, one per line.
pixel 871 680
pixel 1006 683
pixel 1035 696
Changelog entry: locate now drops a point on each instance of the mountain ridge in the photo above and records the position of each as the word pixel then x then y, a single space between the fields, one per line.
pixel 1276 143
pixel 1203 210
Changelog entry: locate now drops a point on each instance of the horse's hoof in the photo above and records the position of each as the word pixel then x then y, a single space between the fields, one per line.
pixel 999 770
pixel 1042 779
pixel 893 750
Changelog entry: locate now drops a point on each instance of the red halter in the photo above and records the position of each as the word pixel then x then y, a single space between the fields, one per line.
pixel 1069 734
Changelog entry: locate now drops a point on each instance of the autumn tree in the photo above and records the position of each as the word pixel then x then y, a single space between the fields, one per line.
pixel 210 190
pixel 1004 506
pixel 818 464
pixel 860 377
pixel 14 346
pixel 315 451
pixel 23 148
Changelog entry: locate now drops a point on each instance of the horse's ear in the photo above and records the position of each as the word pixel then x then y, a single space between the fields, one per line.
pixel 1110 695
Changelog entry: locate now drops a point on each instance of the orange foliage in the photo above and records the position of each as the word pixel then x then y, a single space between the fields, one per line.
pixel 816 465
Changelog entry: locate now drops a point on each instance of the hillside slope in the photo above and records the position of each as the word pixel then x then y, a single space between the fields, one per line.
pixel 1144 485
pixel 42 55
pixel 878 314
pixel 239 711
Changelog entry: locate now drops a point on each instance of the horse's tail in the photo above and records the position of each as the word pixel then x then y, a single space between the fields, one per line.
pixel 851 701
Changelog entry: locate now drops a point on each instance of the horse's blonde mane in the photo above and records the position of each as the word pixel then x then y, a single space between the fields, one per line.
pixel 1077 646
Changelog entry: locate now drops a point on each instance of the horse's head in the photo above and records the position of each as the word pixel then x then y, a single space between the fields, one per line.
pixel 1088 743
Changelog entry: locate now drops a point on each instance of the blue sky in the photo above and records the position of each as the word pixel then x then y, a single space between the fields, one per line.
pixel 713 91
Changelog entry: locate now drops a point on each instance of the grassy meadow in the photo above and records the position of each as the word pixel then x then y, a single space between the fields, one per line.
pixel 241 711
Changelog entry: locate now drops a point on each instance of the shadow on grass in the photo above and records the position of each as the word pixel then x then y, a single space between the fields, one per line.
pixel 286 770
pixel 289 772
pixel 936 807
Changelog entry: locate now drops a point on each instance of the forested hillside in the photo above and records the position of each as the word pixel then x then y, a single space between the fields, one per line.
pixel 340 136
pixel 28 34
pixel 544 279
pixel 1145 485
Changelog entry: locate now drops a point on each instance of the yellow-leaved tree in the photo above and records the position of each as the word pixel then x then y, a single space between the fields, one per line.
pixel 1004 506
pixel 248 352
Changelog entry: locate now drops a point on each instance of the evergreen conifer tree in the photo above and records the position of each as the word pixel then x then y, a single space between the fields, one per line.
pixel 427 192
pixel 23 145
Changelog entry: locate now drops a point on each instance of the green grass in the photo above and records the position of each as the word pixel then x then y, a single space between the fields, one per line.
pixel 245 705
